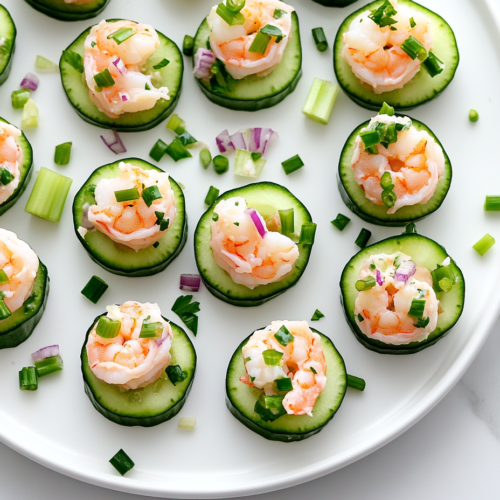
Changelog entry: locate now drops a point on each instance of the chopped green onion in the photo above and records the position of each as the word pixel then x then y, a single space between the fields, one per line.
pixel 158 150
pixel 272 357
pixel 187 139
pixel 473 114
pixel 151 330
pixel 108 328
pixel 356 383
pixel 231 18
pixel 6 176
pixel 269 408
pixel 159 217
pixel 307 233
pixel 278 13
pixel 19 98
pixel 370 139
pixel 363 238
pixel 156 244
pixel 164 224
pixel 440 274
pixel 49 365
pixel 433 65
pixel 28 379
pixel 446 285
pixel 122 462
pixel 151 194
pixel 484 244
pixel 417 308
pixel 30 115
pixel 221 164
pixel 177 124
pixel 412 22
pixel 320 100
pixel 317 315
pixel 314 370
pixel 389 198
pixel 422 323
pixel 271 30
pixel 287 221
pixel 44 64
pixel 62 154
pixel 414 48
pixel 177 151
pixel 283 336
pixel 127 195
pixel 383 15
pixel 3 277
pixel 186 310
pixel 235 6
pixel 360 318
pixel 161 64
pixel 74 59
pixel 49 195
pixel 365 284
pixel 492 204
pixel 215 217
pixel 411 228
pixel 119 36
pixel 4 310
pixel 256 156
pixel 212 195
pixel 292 164
pixel 284 384
pixel 386 110
pixel 187 45
pixel 104 79
pixel 247 164
pixel 205 158
pixel 320 39
pixel 260 43
pixel 176 374
pixel 187 423
pixel 94 289
pixel 386 181
pixel 340 222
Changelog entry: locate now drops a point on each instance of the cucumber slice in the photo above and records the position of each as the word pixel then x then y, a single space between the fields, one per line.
pixel 354 197
pixel 241 399
pixel 77 90
pixel 152 405
pixel 267 198
pixel 422 88
pixel 9 32
pixel 255 92
pixel 59 9
pixel 25 169
pixel 119 259
pixel 335 3
pixel 425 253
pixel 17 328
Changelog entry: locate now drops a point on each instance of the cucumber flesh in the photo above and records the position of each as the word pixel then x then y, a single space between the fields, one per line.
pixel 59 9
pixel 9 32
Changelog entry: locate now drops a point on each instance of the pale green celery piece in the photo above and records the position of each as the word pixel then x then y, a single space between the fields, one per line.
pixel 187 423
pixel 320 101
pixel 44 64
pixel 30 115
pixel 245 166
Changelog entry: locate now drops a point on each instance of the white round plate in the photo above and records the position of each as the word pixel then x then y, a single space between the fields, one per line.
pixel 57 425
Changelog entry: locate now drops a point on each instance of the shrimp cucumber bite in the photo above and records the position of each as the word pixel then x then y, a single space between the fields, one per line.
pixel 122 75
pixel 7 43
pixel 16 161
pixel 247 54
pixel 131 218
pixel 137 366
pixel 393 170
pixel 402 294
pixel 397 52
pixel 247 244
pixel 286 381
pixel 24 288
pixel 69 10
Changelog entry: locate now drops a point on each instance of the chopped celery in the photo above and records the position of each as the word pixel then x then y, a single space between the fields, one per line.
pixel 245 166
pixel 320 101
pixel 44 64
pixel 484 244
pixel 30 115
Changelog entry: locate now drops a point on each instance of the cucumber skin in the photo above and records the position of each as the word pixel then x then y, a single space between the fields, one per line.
pixel 61 16
pixel 22 332
pixel 6 71
pixel 335 3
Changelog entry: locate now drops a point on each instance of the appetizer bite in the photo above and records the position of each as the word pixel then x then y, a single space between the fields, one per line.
pixel 7 43
pixel 253 243
pixel 130 216
pixel 138 367
pixel 247 54
pixel 394 51
pixel 24 287
pixel 122 75
pixel 69 10
pixel 402 294
pixel 393 170
pixel 286 381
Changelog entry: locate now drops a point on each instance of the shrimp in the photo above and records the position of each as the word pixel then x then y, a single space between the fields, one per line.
pixel 231 44
pixel 132 90
pixel 381 312
pixel 20 263
pixel 11 156
pixel 250 259
pixel 127 360
pixel 133 223
pixel 374 53
pixel 415 162
pixel 303 361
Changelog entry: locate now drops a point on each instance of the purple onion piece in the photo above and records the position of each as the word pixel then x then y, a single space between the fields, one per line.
pixel 259 138
pixel 113 142
pixel 405 271
pixel 190 282
pixel 120 66
pixel 125 97
pixel 224 142
pixel 30 82
pixel 238 140
pixel 260 226
pixel 380 281
pixel 162 339
pixel 46 352
pixel 203 60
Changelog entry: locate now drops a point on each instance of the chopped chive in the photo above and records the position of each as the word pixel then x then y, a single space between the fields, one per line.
pixel 313 370
pixel 278 13
pixel 386 181
pixel 365 284
pixel 484 244
pixel 215 217
pixel 122 462
pixel 363 238
pixel 370 139
pixel 284 384
pixel 151 330
pixel 104 79
pixel 187 45
pixel 320 39
pixel 164 224
pixel 417 308
pixel 187 423
pixel 473 114
pixel 412 22
pixel 49 195
pixel 205 158
pixel 19 98
pixel 127 195
pixel 230 17
pixel 260 43
pixel 4 310
pixel 255 156
pixel 383 15
pixel 44 64
pixel 235 6
pixel 236 223
pixel 30 115
pixel 414 48
pixel 320 100
pixel 248 359
pixel 177 124
pixel 49 365
pixel 386 110
pixel 3 277
pixel 283 336
pixel 440 274
pixel 147 87
pixel 187 139
pixel 28 379
pixel 356 383
pixel 74 59
pixel 176 374
pixel 307 233
pixel 272 357
pixel 317 315
pixel 108 328
pixel 119 36
pixel 62 154
pixel 269 408
pixel 6 176
pixel 287 221
pixel 212 195
pixel 446 285
pixel 422 323
pixel 161 64
pixel 186 310
pixel 360 318
pixel 158 150
pixel 492 204
pixel 389 198
pixel 411 228
pixel 433 65
pixel 156 244
pixel 94 289
pixel 292 164
pixel 271 30
pixel 151 194
pixel 340 222
pixel 177 151
pixel 221 164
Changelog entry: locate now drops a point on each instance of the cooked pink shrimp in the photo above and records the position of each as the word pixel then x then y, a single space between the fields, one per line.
pixel 132 90
pixel 128 360
pixel 231 44
pixel 11 156
pixel 133 223
pixel 303 361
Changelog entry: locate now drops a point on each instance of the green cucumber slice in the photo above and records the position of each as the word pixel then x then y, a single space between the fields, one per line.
pixel 59 9
pixel 171 77
pixel 254 92
pixel 267 198
pixel 241 399
pixel 7 30
pixel 119 259
pixel 422 88
pixel 335 3
pixel 425 253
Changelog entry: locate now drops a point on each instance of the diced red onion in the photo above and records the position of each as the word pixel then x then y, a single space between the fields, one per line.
pixel 46 352
pixel 259 138
pixel 238 141
pixel 256 219
pixel 203 60
pixel 405 271
pixel 164 337
pixel 190 282
pixel 120 66
pixel 224 142
pixel 124 97
pixel 113 141
pixel 380 281
pixel 30 82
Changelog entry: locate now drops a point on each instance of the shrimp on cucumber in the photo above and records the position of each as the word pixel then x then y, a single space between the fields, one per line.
pixel 11 157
